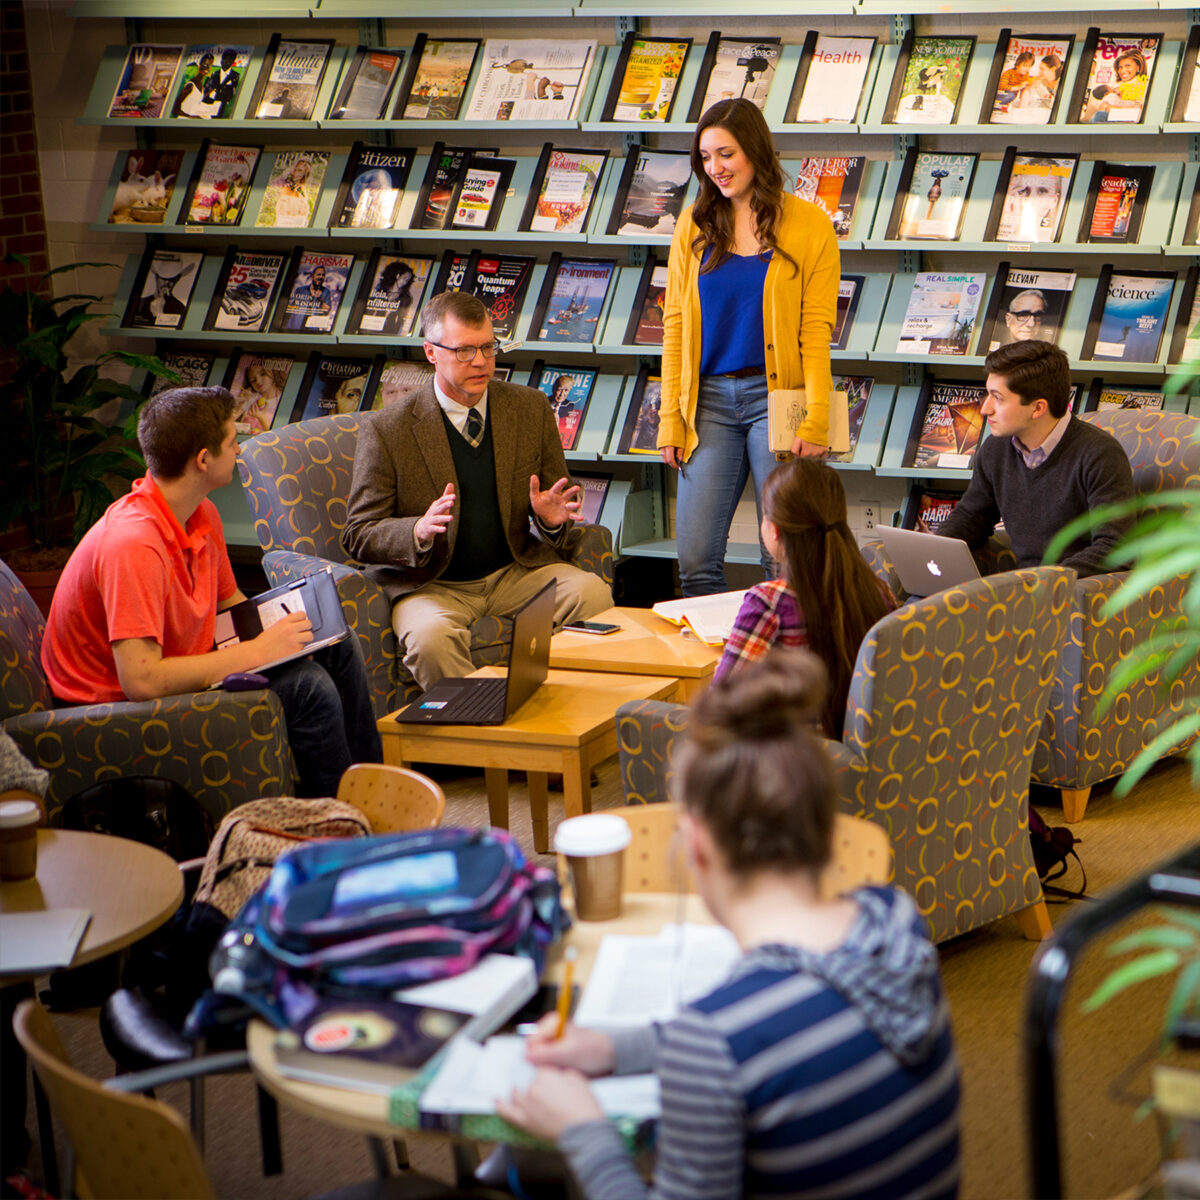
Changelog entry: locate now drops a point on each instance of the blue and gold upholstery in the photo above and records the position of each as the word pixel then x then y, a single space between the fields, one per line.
pixel 944 709
pixel 224 747
pixel 297 480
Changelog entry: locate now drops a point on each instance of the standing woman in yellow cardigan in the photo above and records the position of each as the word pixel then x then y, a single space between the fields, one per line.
pixel 751 298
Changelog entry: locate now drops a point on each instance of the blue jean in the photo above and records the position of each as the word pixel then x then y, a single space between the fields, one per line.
pixel 330 719
pixel 731 423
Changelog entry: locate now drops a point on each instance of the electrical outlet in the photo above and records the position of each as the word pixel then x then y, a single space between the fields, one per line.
pixel 870 515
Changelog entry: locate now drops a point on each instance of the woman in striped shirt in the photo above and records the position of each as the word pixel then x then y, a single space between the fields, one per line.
pixel 824 1065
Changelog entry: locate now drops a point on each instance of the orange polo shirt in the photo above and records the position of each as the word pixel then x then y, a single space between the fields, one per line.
pixel 137 573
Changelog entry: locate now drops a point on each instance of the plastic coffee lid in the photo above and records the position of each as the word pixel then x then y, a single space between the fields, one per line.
pixel 592 834
pixel 15 813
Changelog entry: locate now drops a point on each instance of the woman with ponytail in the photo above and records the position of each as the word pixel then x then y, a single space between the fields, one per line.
pixel 824 1065
pixel 825 598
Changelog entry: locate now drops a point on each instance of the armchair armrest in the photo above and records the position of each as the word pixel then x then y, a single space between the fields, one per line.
pixel 223 747
pixel 590 548
pixel 647 733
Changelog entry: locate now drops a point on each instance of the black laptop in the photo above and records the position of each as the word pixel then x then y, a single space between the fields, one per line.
pixel 493 701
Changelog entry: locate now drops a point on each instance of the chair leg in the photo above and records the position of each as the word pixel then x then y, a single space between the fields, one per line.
pixel 1035 922
pixel 400 1146
pixel 1074 801
pixel 379 1158
pixel 268 1133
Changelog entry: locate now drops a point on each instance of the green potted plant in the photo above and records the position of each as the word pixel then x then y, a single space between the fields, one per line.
pixel 60 458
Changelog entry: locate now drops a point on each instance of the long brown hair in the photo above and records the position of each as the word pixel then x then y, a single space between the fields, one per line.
pixel 712 213
pixel 839 596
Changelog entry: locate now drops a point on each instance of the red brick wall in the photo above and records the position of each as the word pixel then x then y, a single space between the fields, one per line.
pixel 22 221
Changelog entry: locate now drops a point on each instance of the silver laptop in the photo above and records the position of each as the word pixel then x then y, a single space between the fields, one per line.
pixel 462 701
pixel 926 562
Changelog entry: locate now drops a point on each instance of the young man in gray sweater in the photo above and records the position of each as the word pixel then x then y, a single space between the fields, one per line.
pixel 1041 467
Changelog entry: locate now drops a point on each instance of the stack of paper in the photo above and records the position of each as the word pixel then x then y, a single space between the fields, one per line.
pixel 710 618
pixel 35 942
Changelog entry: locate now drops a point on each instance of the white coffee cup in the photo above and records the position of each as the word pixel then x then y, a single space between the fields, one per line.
pixel 594 847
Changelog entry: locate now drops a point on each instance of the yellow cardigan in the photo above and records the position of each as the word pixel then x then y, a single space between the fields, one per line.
pixel 799 309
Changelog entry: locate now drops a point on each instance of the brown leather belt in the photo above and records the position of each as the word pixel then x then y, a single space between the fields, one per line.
pixel 744 373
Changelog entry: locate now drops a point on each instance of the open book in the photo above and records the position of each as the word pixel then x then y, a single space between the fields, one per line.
pixel 710 618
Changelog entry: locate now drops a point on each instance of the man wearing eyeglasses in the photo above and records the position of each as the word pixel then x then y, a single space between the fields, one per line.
pixel 1024 316
pixel 461 501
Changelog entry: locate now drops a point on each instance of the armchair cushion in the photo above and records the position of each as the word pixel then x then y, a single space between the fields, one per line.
pixel 648 734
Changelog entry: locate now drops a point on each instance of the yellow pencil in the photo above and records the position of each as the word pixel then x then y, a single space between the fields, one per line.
pixel 564 992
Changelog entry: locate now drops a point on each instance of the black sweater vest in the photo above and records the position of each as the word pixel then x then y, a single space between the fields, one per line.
pixel 481 545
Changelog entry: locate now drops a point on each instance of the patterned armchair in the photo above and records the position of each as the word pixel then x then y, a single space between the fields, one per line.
pixel 946 702
pixel 224 747
pixel 297 479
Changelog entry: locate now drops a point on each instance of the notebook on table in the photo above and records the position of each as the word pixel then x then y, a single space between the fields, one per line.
pixel 462 701
pixel 927 562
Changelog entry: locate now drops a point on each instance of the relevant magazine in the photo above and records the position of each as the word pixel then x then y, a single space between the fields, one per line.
pixel 539 79
pixel 1026 305
pixel 941 313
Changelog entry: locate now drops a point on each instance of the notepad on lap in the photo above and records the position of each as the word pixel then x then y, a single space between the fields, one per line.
pixel 33 942
pixel 710 618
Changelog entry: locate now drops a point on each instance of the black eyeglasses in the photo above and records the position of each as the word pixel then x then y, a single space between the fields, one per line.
pixel 466 354
pixel 1027 316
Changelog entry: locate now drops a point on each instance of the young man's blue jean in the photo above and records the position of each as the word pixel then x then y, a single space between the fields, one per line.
pixel 731 422
pixel 330 720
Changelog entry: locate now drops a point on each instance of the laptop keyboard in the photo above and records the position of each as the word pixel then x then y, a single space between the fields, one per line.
pixel 482 701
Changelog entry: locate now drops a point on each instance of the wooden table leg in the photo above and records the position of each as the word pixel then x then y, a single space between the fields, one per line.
pixel 577 784
pixel 539 810
pixel 497 793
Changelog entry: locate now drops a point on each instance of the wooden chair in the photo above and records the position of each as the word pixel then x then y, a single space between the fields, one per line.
pixel 393 799
pixel 654 861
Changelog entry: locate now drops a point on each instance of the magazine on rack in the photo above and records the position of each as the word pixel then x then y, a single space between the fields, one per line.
pixel 931 196
pixel 437 77
pixel 162 288
pixel 832 184
pixel 1031 197
pixel 147 183
pixel 1025 86
pixel 735 67
pixel 293 186
pixel 1186 106
pixel 1025 305
pixel 192 366
pixel 367 85
pixel 849 293
pixel 399 377
pixel 564 186
pixel 257 382
pixel 209 82
pixel 1113 82
pixel 595 490
pixel 645 79
pixel 481 192
pixel 639 432
pixel 335 383
pixel 246 290
pixel 372 187
pixel 1116 202
pixel 290 79
pixel 829 80
pixel 941 313
pixel 536 79
pixel 568 388
pixel 313 292
pixel 499 280
pixel 434 208
pixel 858 390
pixel 1102 396
pixel 927 85
pixel 389 296
pixel 1185 339
pixel 645 327
pixel 1128 315
pixel 947 425
pixel 651 193
pixel 572 299
pixel 220 184
pixel 146 80
pixel 927 508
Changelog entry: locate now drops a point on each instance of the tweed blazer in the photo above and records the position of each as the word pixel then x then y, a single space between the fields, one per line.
pixel 402 463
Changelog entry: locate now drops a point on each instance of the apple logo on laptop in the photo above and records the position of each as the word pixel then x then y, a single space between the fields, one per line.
pixel 934 569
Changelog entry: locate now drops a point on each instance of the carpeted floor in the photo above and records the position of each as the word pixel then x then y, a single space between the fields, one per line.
pixel 1106 1148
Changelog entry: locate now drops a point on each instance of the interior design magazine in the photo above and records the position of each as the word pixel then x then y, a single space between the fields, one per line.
pixel 246 290
pixel 735 67
pixel 209 82
pixel 192 366
pixel 651 193
pixel 858 390
pixel 312 292
pixel 645 326
pixel 290 79
pixel 832 183
pixel 830 78
pixel 1031 197
pixel 1128 315
pixel 389 296
pixel 568 388
pixel 1027 75
pixel 1116 202
pixel 163 288
pixel 536 79
pixel 334 383
pixel 257 382
pixel 941 312
pixel 572 299
pixel 147 183
pixel 220 184
pixel 145 81
pixel 927 86
pixel 646 78
pixel 564 186
pixel 293 186
pixel 947 426
pixel 367 85
pixel 372 187
pixel 639 430
pixel 1114 76
pixel 931 195
pixel 440 68
pixel 1026 304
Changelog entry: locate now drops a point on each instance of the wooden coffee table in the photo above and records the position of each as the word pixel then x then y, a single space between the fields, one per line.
pixel 646 644
pixel 568 725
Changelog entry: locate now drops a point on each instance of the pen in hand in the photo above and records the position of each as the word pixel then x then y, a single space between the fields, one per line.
pixel 564 992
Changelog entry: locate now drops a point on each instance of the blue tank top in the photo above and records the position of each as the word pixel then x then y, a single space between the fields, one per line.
pixel 731 315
